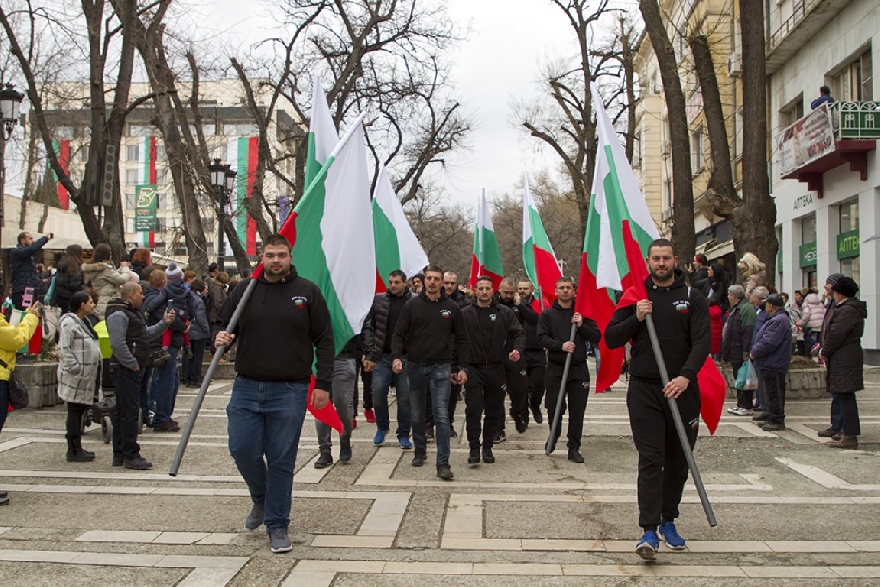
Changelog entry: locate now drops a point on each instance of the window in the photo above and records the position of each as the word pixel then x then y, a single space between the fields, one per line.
pixel 698 160
pixel 129 201
pixel 851 268
pixel 142 131
pixel 791 113
pixel 161 202
pixel 133 153
pixel 808 229
pixel 849 217
pixel 129 224
pixel 160 152
pixel 856 80
pixel 63 132
pixel 132 176
pixel 738 134
pixel 240 130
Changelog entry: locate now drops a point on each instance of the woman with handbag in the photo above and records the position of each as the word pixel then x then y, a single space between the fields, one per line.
pixel 13 338
pixel 736 342
pixel 79 365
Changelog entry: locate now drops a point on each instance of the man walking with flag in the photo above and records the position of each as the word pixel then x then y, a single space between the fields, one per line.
pixel 554 334
pixel 681 316
pixel 285 325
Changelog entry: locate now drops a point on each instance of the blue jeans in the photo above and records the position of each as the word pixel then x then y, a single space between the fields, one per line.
pixel 344 375
pixel 433 379
pixel 165 391
pixel 266 418
pixel 383 378
pixel 836 413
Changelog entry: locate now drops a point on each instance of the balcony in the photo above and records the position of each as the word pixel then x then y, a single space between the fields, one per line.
pixel 828 137
pixel 807 19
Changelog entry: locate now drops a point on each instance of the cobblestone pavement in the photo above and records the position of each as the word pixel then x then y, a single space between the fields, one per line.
pixel 790 510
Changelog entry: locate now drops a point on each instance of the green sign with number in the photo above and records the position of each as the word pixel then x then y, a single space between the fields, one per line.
pixel 848 244
pixel 808 255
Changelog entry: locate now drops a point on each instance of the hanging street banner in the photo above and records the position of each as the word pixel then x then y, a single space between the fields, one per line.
pixel 146 197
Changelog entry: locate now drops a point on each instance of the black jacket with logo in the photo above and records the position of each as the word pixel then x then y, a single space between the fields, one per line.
pixel 376 331
pixel 681 318
pixel 431 331
pixel 282 328
pixel 554 329
pixel 507 334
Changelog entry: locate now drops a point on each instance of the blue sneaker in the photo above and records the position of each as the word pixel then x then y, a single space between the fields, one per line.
pixel 379 438
pixel 648 545
pixel 671 537
pixel 405 443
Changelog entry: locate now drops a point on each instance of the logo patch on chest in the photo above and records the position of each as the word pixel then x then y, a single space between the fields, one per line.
pixel 299 301
pixel 682 306
pixel 446 314
pixel 493 317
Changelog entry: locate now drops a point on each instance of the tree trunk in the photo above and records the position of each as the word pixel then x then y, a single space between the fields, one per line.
pixel 721 193
pixel 754 227
pixel 683 191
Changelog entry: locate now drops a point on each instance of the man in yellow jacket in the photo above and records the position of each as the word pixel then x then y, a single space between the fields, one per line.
pixel 13 338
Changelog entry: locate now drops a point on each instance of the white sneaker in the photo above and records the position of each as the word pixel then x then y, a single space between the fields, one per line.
pixel 732 410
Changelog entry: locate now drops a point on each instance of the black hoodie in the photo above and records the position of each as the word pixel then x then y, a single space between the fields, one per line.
pixel 282 328
pixel 681 318
pixel 493 332
pixel 431 331
pixel 554 329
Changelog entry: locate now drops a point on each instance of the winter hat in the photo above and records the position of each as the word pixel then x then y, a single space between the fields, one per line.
pixel 776 300
pixel 173 271
pixel 833 278
pixel 846 286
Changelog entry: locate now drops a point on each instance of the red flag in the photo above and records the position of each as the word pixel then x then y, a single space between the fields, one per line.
pixel 327 414
pixel 713 390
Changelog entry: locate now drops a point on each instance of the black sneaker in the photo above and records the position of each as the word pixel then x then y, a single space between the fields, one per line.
pixel 499 437
pixel 344 450
pixel 474 457
pixel 255 519
pixel 538 417
pixel 762 417
pixel 453 433
pixel 521 425
pixel 118 461
pixel 445 472
pixel 488 457
pixel 773 426
pixel 828 433
pixel 138 463
pixel 324 461
pixel 575 456
pixel 419 458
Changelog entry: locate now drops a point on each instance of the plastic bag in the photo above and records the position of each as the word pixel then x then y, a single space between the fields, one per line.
pixel 747 377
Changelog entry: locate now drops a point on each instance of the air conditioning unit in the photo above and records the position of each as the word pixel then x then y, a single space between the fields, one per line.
pixel 734 65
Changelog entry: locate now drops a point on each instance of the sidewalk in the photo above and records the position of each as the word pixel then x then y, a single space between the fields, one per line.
pixel 788 509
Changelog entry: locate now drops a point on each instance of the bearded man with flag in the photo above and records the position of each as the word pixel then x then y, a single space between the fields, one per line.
pixel 681 315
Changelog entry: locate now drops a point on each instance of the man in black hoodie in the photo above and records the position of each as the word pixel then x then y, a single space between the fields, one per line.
pixel 284 325
pixel 492 329
pixel 516 371
pixel 681 316
pixel 554 330
pixel 536 356
pixel 431 333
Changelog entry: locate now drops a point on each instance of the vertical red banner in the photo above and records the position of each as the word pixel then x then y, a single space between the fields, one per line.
pixel 64 160
pixel 251 230
pixel 151 162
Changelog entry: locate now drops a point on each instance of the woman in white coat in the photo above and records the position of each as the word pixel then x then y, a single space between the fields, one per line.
pixel 79 366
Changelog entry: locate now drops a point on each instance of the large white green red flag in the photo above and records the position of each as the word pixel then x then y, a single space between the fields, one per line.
pixel 539 259
pixel 618 223
pixel 619 232
pixel 396 244
pixel 486 258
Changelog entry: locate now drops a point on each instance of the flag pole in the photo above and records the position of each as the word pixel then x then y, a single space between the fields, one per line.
pixel 548 448
pixel 206 381
pixel 679 425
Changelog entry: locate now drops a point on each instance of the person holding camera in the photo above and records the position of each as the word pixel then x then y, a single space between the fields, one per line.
pixel 23 265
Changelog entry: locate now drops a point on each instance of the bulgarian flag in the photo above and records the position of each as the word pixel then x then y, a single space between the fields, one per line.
pixel 241 153
pixel 619 231
pixel 396 244
pixel 538 257
pixel 486 259
pixel 147 155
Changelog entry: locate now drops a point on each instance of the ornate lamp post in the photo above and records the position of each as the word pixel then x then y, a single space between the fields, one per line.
pixel 223 182
pixel 10 101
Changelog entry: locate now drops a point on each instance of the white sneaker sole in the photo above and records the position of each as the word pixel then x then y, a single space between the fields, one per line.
pixel 646 551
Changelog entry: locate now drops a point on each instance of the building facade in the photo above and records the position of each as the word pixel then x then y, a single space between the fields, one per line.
pixel 825 169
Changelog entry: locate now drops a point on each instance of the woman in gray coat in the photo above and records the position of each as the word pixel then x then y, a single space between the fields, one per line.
pixel 79 365
pixel 842 352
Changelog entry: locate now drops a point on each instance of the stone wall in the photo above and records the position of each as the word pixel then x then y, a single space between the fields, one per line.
pixel 799 383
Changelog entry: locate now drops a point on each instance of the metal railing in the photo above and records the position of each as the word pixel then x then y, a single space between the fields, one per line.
pixel 856 120
pixel 799 12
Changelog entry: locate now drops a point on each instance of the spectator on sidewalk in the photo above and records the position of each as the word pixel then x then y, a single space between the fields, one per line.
pixel 772 355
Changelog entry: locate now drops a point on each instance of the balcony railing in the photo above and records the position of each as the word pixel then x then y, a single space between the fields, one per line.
pixel 856 120
pixel 799 12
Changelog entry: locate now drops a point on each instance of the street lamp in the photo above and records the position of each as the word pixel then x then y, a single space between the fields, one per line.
pixel 10 101
pixel 223 181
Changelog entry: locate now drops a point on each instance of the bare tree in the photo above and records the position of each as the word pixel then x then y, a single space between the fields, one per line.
pixel 683 193
pixel 445 232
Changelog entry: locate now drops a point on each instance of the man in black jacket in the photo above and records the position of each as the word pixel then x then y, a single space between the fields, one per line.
pixel 516 371
pixel 681 316
pixel 378 329
pixel 554 331
pixel 281 329
pixel 492 329
pixel 431 333
pixel 536 356
pixel 129 339
pixel 23 265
